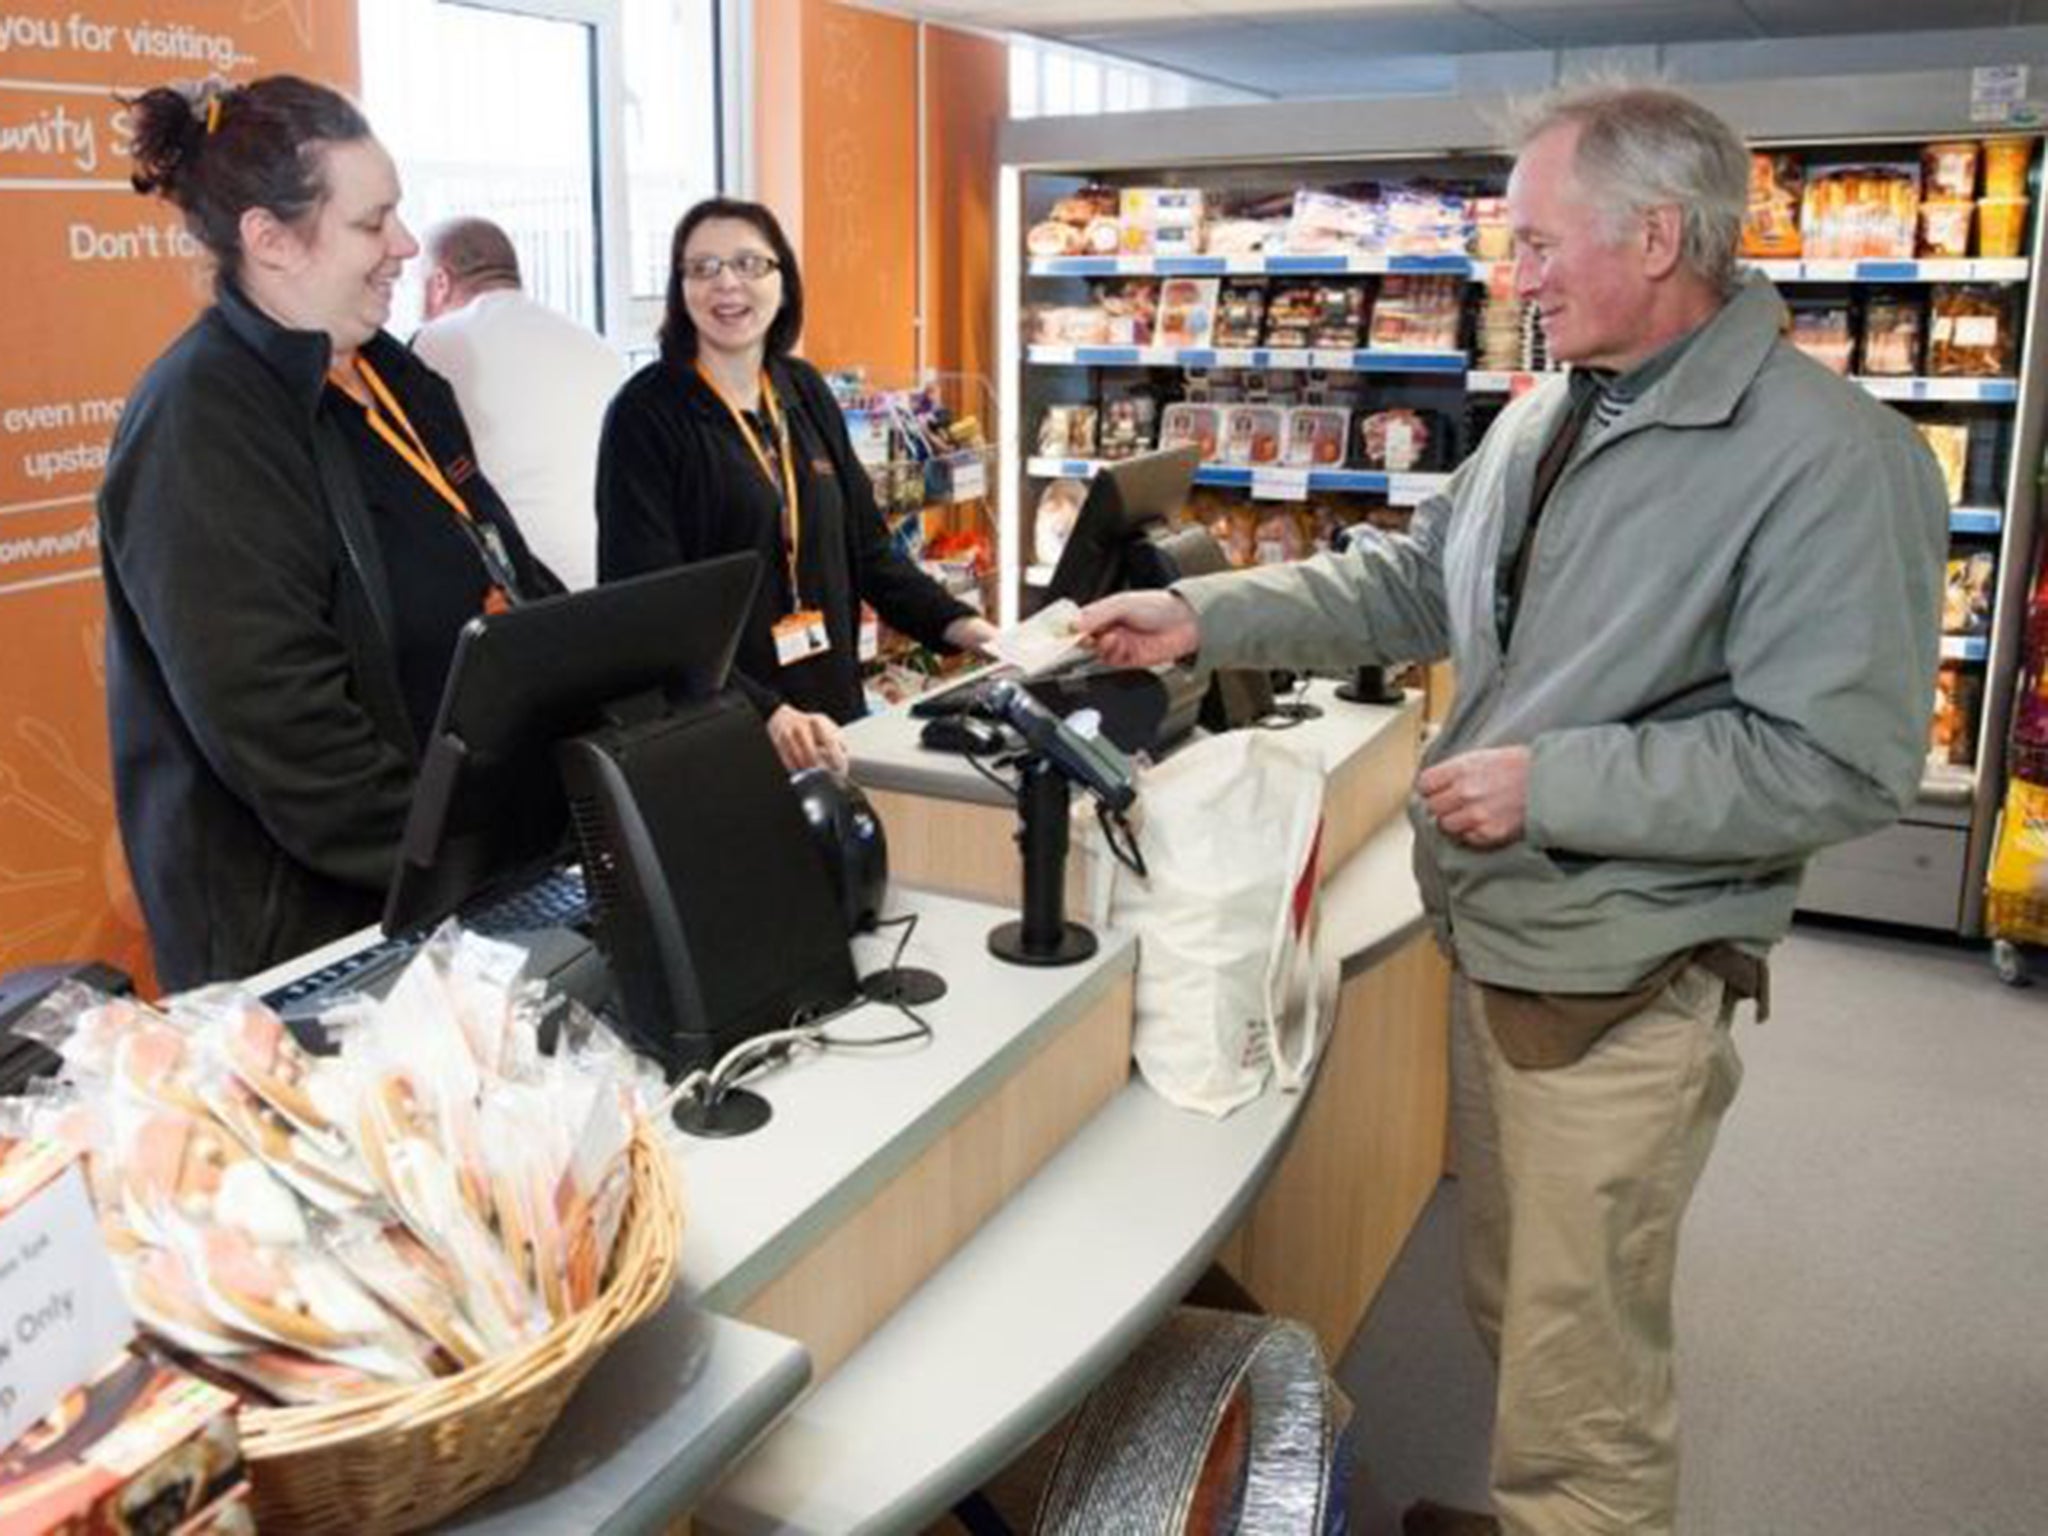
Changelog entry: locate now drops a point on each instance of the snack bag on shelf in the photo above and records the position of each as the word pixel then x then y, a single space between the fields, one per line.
pixel 1966 600
pixel 1952 733
pixel 1948 170
pixel 2005 166
pixel 1945 228
pixel 1892 327
pixel 1770 228
pixel 1282 535
pixel 1067 432
pixel 1822 331
pixel 1492 239
pixel 1323 221
pixel 1971 333
pixel 1244 237
pixel 1425 221
pixel 1852 212
pixel 1950 443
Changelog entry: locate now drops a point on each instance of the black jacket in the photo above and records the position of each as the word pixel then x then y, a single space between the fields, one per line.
pixel 263 755
pixel 677 483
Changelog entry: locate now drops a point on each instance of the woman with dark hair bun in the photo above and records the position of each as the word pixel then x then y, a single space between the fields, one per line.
pixel 293 532
pixel 728 443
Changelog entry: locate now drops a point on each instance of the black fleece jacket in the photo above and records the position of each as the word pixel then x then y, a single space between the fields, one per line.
pixel 264 753
pixel 676 483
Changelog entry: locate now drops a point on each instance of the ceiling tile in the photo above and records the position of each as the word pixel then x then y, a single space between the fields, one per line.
pixel 1408 30
pixel 1550 25
pixel 1823 18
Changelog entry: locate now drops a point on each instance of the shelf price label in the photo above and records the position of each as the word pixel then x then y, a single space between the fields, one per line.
pixel 1273 484
pixel 1412 490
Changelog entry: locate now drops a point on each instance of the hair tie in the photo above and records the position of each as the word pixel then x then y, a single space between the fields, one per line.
pixel 212 114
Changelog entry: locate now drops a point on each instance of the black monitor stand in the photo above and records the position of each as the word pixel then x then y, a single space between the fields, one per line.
pixel 1043 936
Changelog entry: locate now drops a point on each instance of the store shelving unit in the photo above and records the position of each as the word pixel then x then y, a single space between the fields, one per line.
pixel 1929 870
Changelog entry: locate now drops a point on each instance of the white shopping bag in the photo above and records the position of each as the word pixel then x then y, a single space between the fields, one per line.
pixel 1230 988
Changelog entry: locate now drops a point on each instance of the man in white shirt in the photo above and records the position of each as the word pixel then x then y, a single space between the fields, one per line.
pixel 533 386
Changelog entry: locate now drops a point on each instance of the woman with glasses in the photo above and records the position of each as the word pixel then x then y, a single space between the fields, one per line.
pixel 729 443
pixel 293 532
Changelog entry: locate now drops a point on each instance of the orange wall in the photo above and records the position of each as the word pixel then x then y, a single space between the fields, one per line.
pixel 835 134
pixel 98 280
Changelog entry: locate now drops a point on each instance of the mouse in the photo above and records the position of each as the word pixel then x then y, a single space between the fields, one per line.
pixel 963 733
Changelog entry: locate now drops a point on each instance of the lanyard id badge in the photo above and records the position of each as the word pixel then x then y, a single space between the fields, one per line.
pixel 801 635
pixel 783 484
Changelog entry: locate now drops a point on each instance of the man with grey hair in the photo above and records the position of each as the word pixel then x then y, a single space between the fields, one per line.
pixel 1692 592
pixel 533 386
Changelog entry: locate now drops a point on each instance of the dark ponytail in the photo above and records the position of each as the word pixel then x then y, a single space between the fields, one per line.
pixel 216 150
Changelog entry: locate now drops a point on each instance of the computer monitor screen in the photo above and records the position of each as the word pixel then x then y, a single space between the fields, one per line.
pixel 1129 503
pixel 489 811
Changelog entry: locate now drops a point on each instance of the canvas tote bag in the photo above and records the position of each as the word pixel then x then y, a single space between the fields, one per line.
pixel 1230 988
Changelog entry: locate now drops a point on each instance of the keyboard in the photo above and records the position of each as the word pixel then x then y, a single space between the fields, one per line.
pixel 558 900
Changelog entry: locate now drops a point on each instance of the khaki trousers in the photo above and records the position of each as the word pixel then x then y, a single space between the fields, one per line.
pixel 1573 1182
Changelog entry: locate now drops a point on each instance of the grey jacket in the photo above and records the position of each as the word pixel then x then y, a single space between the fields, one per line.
pixel 1723 659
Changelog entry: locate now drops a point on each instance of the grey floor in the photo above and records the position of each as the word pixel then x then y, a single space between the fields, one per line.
pixel 1863 1288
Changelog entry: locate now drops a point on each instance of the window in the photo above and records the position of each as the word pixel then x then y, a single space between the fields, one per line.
pixel 1052 80
pixel 585 127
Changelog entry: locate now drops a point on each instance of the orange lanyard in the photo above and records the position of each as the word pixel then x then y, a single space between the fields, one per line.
pixel 792 509
pixel 413 450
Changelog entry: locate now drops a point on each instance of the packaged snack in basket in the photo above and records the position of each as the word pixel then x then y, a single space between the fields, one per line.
pixel 1252 434
pixel 1201 426
pixel 1187 311
pixel 401 1272
pixel 177 1168
pixel 1852 212
pixel 1396 440
pixel 1240 314
pixel 1948 170
pixel 1291 315
pixel 165 1295
pixel 1966 599
pixel 1770 227
pixel 1822 331
pixel 1971 333
pixel 326 1175
pixel 293 1379
pixel 142 1447
pixel 1950 443
pixel 1316 435
pixel 1892 328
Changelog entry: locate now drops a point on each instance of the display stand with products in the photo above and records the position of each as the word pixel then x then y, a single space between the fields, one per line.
pixel 1329 317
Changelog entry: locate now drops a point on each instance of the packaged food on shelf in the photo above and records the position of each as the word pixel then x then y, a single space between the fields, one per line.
pixel 1945 228
pixel 1770 227
pixel 1397 440
pixel 1067 325
pixel 1236 531
pixel 1282 534
pixel 1128 423
pixel 2001 226
pixel 1948 170
pixel 1949 441
pixel 1131 312
pixel 1970 332
pixel 1244 237
pixel 1291 315
pixel 1052 520
pixel 1187 311
pixel 1316 437
pixel 1341 310
pixel 1424 221
pixel 1893 324
pixel 1952 732
pixel 1966 600
pixel 1323 221
pixel 1822 330
pixel 1052 237
pixel 1240 314
pixel 1184 424
pixel 1161 221
pixel 1492 239
pixel 1073 225
pixel 1418 312
pixel 1252 434
pixel 2005 166
pixel 1862 211
pixel 1067 432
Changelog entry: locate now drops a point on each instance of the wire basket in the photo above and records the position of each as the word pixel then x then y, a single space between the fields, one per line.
pixel 404 1458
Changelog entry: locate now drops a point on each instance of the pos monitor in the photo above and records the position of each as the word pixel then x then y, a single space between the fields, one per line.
pixel 1124 539
pixel 602 713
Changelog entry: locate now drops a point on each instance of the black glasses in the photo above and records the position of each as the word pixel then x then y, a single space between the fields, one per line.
pixel 751 265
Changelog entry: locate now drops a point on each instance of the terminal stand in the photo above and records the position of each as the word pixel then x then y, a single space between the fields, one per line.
pixel 1043 936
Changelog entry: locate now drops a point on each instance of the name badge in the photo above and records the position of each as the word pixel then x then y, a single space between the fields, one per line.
pixel 801 636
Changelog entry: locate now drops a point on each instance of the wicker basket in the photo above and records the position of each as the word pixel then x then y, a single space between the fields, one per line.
pixel 402 1459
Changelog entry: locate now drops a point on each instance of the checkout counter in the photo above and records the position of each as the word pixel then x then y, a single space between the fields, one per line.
pixel 926 1259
